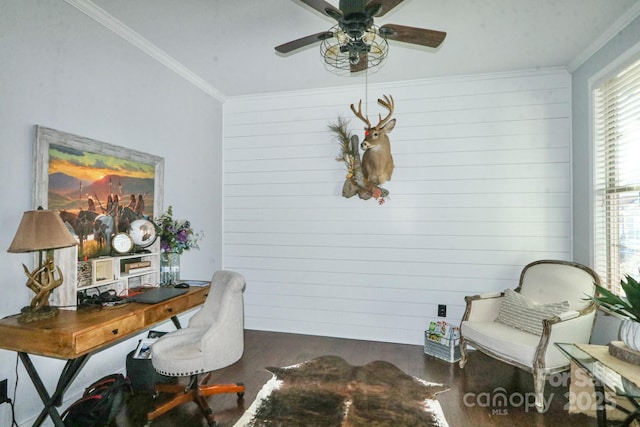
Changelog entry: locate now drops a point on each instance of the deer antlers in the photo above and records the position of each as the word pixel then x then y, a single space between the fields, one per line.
pixel 360 115
pixel 42 282
pixel 387 103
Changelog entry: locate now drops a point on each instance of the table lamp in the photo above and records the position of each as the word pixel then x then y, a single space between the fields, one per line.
pixel 41 230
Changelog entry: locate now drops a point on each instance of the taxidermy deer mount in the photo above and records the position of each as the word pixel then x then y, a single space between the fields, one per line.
pixel 365 177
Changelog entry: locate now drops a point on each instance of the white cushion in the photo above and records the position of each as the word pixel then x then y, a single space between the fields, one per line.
pixel 522 313
pixel 509 343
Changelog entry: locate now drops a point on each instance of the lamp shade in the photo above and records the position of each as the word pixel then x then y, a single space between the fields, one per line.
pixel 41 230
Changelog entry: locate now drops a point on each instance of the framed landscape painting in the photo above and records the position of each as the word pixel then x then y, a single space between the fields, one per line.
pixel 98 188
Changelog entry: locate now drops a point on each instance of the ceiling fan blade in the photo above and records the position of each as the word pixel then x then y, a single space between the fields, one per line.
pixel 385 5
pixel 421 36
pixel 362 64
pixel 323 7
pixel 304 41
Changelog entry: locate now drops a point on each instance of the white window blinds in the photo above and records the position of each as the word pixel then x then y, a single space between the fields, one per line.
pixel 617 176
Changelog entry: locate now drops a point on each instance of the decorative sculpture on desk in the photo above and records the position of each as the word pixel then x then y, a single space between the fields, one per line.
pixel 41 281
pixel 41 230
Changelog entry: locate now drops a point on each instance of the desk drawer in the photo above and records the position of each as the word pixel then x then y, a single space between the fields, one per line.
pixel 166 310
pixel 108 332
pixel 199 297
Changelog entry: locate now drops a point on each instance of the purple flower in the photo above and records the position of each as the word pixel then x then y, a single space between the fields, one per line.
pixel 175 236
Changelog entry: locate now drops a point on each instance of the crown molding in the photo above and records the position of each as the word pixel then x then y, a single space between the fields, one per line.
pixel 107 20
pixel 605 37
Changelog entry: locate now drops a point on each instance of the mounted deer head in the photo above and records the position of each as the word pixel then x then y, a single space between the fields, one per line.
pixel 377 162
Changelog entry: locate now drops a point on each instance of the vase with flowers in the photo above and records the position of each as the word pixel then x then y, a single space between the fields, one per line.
pixel 628 309
pixel 176 236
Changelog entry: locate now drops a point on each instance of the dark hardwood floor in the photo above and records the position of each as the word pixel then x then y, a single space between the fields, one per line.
pixel 467 403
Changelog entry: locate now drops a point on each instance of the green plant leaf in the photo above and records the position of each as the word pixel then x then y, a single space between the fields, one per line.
pixel 629 307
pixel 608 296
pixel 632 292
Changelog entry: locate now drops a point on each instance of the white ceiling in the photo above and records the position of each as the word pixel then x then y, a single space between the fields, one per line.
pixel 229 44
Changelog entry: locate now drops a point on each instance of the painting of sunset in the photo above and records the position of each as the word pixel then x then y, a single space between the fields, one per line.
pixel 98 195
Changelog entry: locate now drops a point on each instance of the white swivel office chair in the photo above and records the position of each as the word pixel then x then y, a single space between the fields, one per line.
pixel 551 304
pixel 213 340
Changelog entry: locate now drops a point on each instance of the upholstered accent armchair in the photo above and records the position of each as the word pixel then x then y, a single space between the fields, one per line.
pixel 519 327
pixel 213 340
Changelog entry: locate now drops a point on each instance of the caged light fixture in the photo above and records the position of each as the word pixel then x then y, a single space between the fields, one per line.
pixel 349 54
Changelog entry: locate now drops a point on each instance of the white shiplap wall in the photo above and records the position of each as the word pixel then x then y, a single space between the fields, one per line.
pixel 481 187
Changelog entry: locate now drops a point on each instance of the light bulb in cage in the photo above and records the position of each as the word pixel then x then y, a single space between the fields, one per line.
pixel 352 54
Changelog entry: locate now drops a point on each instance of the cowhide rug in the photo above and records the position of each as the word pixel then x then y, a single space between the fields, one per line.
pixel 328 391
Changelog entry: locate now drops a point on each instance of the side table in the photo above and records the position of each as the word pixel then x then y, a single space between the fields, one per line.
pixel 606 371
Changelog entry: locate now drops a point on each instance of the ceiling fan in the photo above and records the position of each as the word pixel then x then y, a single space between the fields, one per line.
pixel 355 43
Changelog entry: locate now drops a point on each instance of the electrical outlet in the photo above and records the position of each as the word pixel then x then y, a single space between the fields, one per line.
pixel 3 392
pixel 442 310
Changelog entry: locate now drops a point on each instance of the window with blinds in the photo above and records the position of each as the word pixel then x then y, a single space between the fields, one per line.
pixel 617 177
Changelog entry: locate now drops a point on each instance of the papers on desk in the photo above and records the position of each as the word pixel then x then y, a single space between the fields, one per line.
pixel 195 282
pixel 143 351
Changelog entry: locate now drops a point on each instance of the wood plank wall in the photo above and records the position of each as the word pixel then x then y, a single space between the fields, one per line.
pixel 482 186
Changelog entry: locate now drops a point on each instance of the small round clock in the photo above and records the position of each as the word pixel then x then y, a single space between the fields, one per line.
pixel 142 232
pixel 122 243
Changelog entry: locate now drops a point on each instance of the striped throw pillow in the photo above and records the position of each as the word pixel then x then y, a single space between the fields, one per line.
pixel 522 313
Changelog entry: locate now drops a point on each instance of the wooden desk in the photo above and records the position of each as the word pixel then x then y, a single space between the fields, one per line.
pixel 75 335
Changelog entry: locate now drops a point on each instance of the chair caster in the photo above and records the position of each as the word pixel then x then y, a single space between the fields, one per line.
pixel 240 393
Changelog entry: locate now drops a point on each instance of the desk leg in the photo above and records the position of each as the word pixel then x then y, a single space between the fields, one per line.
pixel 635 415
pixel 69 372
pixel 601 404
pixel 176 322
